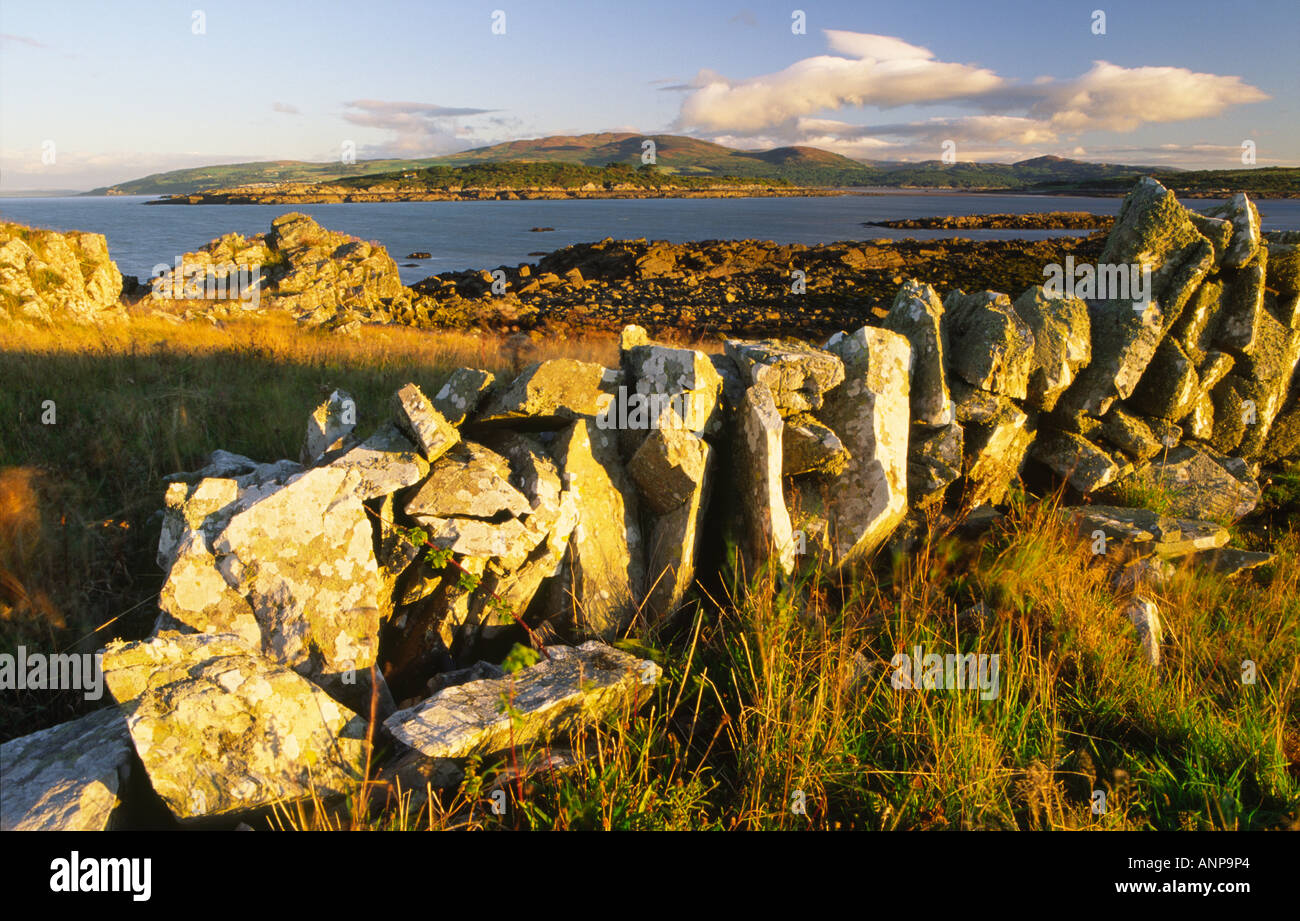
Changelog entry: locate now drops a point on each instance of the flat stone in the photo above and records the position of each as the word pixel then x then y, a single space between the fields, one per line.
pixel 552 393
pixel 461 396
pixel 382 464
pixel 1062 343
pixel 1200 484
pixel 809 446
pixel 557 695
pixel 988 344
pixel 472 481
pixel 1231 562
pixel 797 375
pixel 67 777
pixel 916 314
pixel 871 412
pixel 422 423
pixel 220 731
pixel 1144 531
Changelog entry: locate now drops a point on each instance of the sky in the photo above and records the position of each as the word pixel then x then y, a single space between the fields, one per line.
pixel 93 93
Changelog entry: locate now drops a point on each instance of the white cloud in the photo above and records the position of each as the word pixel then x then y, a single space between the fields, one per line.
pixel 882 72
pixel 416 128
pixel 285 107
pixel 1114 98
pixel 1009 118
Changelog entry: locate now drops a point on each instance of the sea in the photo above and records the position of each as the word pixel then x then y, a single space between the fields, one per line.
pixel 489 234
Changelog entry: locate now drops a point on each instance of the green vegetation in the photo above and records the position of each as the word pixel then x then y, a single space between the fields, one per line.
pixel 525 175
pixel 693 158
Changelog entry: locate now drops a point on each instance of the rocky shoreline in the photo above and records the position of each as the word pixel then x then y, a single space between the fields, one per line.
pixel 1043 220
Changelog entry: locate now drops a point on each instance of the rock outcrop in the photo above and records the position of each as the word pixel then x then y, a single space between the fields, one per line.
pixel 46 275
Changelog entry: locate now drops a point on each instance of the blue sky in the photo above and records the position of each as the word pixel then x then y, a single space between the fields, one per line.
pixel 119 90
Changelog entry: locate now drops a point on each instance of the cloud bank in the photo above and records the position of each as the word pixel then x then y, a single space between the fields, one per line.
pixel 881 72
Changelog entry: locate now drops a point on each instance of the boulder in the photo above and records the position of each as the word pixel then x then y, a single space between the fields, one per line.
pixel 303 557
pixel 460 397
pixel 916 314
pixel 669 467
pixel 1242 214
pixel 1072 457
pixel 674 546
pixel 68 777
pixel 1144 615
pixel 1170 386
pixel 809 446
pixel 604 580
pixel 685 375
pixel 221 732
pixel 1198 483
pixel 1131 434
pixel 797 375
pixel 871 412
pixel 472 481
pixel 995 452
pixel 934 461
pixel 1062 343
pixel 382 464
pixel 988 344
pixel 549 394
pixel 767 537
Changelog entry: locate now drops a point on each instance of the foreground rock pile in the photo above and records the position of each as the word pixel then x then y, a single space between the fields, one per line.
pixel 46 275
pixel 562 508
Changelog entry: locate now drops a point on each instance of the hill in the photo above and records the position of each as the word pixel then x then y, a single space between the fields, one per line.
pixel 692 157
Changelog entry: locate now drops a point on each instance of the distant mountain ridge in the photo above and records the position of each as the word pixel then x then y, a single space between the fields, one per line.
pixel 693 157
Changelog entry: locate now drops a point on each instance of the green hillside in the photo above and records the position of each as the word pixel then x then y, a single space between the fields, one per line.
pixel 691 157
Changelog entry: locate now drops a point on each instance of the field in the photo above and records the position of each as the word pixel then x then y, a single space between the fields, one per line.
pixel 779 709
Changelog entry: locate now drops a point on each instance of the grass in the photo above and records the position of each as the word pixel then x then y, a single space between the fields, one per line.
pixel 775 696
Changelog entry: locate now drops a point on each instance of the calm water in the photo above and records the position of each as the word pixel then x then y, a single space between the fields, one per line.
pixel 478 235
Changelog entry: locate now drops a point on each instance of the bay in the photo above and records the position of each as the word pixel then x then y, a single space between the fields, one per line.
pixel 484 235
